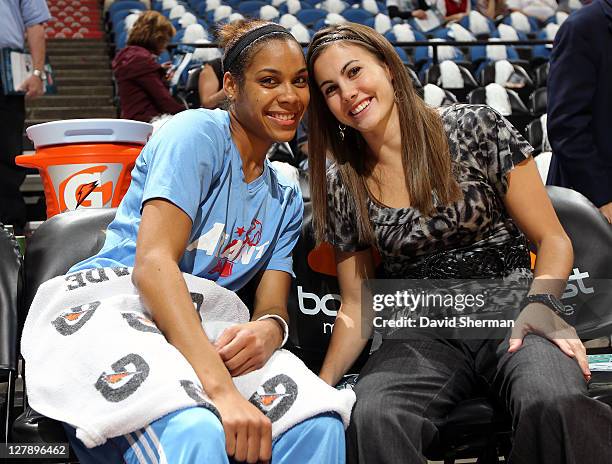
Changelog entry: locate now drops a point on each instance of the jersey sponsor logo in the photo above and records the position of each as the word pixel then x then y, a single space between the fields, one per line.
pixel 120 383
pixel 276 396
pixel 241 245
pixel 72 320
pixel 86 189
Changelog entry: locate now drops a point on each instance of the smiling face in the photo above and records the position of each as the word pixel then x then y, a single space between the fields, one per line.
pixel 356 86
pixel 271 98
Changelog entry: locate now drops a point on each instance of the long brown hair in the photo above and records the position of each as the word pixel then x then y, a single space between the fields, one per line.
pixel 425 152
pixel 151 31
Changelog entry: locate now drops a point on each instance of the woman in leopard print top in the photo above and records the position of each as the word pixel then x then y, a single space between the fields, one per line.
pixel 448 194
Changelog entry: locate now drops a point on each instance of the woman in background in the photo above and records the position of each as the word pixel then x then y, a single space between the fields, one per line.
pixel 210 85
pixel 141 80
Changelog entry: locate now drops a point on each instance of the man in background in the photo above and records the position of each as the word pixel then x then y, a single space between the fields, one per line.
pixel 19 20
pixel 580 105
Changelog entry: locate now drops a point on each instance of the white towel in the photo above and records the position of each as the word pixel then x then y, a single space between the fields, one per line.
pixel 382 23
pixel 334 18
pixel 520 22
pixel 497 98
pixel 300 32
pixel 496 52
pixel 503 71
pixel 288 21
pixel 177 11
pixel 403 33
pixel 97 361
pixel 277 3
pixel 478 23
pixel 333 6
pixel 268 13
pixel 507 32
pixel 193 33
pixel 169 4
pixel 187 19
pixel 370 6
pixel 460 33
pixel 212 5
pixel 222 12
pixel 450 75
pixel 433 95
pixel 293 6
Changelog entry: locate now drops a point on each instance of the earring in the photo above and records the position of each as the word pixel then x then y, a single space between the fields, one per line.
pixel 341 129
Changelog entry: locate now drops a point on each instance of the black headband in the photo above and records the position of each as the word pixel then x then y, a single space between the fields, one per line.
pixel 249 38
pixel 334 37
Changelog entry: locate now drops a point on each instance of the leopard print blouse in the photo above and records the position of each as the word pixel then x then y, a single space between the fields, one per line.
pixel 484 148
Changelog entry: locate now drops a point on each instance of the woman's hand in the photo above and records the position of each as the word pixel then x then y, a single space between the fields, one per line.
pixel 247 347
pixel 539 319
pixel 419 14
pixel 248 432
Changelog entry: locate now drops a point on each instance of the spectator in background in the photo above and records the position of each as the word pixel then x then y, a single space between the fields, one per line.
pixel 210 85
pixel 579 102
pixel 19 19
pixel 407 9
pixel 141 80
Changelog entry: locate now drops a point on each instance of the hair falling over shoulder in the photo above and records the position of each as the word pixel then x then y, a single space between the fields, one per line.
pixel 425 151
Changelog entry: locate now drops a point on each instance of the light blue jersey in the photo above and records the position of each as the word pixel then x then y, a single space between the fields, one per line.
pixel 238 228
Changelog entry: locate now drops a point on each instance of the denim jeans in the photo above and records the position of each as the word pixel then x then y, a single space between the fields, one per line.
pixel 407 386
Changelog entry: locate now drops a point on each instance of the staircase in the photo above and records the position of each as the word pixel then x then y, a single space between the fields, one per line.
pixel 79 56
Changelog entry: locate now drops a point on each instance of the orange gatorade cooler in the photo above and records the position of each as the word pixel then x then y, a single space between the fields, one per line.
pixel 85 163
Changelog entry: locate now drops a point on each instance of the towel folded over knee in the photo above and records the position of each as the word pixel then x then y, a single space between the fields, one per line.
pixel 97 361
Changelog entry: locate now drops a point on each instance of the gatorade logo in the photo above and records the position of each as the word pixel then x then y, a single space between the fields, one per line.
pixel 85 189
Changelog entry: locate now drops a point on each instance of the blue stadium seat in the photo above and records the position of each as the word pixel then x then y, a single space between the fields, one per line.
pixel 119 5
pixel 309 16
pixel 251 7
pixel 465 22
pixel 357 15
pixel 533 23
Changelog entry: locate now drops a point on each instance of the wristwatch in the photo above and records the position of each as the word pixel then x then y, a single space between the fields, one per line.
pixel 552 302
pixel 40 74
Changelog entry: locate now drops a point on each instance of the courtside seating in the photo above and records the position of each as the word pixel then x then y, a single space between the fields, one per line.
pixel 10 291
pixel 473 428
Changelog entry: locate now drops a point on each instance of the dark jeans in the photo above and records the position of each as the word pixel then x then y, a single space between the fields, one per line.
pixel 406 386
pixel 12 117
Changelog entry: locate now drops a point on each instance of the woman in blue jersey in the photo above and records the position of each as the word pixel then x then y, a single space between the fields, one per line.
pixel 204 200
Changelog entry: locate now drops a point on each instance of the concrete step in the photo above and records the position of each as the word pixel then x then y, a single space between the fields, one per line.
pixel 80 62
pixel 83 42
pixel 53 101
pixel 93 90
pixel 72 112
pixel 78 53
pixel 93 73
pixel 82 81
